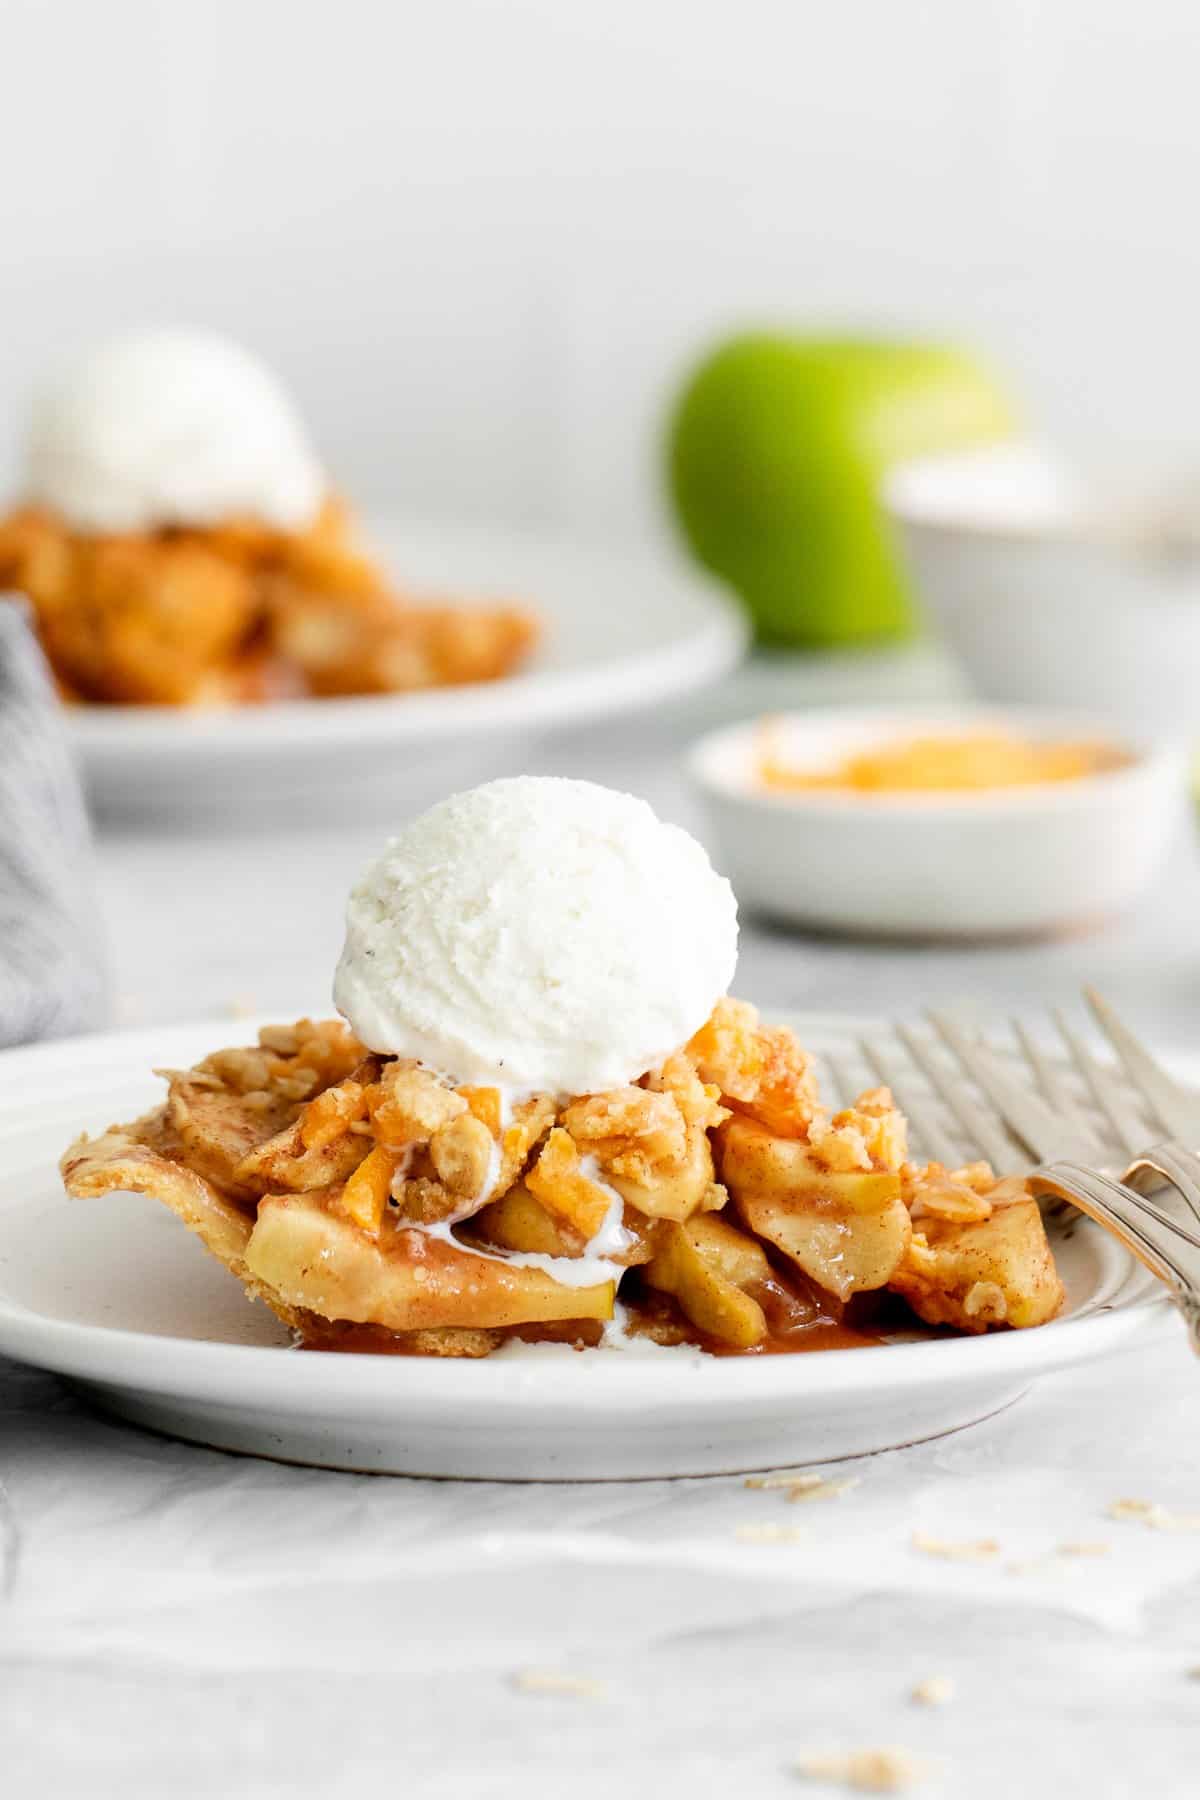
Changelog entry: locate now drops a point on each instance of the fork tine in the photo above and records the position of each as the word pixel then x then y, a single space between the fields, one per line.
pixel 1174 1111
pixel 983 1129
pixel 1031 1121
pixel 1048 1081
pixel 935 1141
pixel 1124 1121
pixel 841 1088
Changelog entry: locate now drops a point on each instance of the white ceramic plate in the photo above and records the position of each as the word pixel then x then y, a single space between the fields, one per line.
pixel 118 1297
pixel 621 631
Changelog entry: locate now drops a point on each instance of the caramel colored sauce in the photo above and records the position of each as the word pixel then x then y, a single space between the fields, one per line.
pixel 823 1335
pixel 374 1340
pixel 975 762
pixel 801 1319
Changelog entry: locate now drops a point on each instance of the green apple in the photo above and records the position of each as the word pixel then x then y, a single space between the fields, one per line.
pixel 777 450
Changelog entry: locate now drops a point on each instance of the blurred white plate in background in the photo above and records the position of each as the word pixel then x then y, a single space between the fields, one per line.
pixel 117 1295
pixel 621 631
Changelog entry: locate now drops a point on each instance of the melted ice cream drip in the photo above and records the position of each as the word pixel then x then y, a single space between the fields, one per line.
pixel 594 1265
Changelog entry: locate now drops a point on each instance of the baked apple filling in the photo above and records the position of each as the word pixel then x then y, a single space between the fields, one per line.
pixel 240 613
pixel 374 1204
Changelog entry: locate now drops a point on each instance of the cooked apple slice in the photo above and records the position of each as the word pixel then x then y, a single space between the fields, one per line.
pixel 999 1271
pixel 674 1193
pixel 517 1221
pixel 220 1129
pixel 315 1258
pixel 844 1253
pixel 285 1161
pixel 707 1264
pixel 848 1231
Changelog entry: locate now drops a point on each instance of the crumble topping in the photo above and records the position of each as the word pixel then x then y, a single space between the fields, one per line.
pixel 1158 1518
pixel 239 613
pixel 355 1190
pixel 972 1550
pixel 558 1681
pixel 767 1533
pixel 935 1690
pixel 887 1771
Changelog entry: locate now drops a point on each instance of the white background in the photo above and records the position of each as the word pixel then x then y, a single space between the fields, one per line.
pixel 482 236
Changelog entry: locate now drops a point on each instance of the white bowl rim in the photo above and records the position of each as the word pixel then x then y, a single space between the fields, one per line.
pixel 718 762
pixel 909 498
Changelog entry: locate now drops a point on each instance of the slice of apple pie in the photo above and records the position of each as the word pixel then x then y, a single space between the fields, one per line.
pixel 375 1205
pixel 180 544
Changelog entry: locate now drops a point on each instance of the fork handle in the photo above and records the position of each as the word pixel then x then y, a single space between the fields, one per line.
pixel 1168 1248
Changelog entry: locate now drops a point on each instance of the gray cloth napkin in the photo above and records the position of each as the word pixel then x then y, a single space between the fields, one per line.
pixel 52 975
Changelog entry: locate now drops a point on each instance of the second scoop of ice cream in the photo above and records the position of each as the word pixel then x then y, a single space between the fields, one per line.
pixel 538 935
pixel 171 427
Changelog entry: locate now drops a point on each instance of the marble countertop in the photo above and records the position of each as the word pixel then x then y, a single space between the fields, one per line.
pixel 173 1620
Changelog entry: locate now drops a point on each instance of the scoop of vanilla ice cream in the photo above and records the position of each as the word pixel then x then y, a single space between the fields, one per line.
pixel 171 428
pixel 537 935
